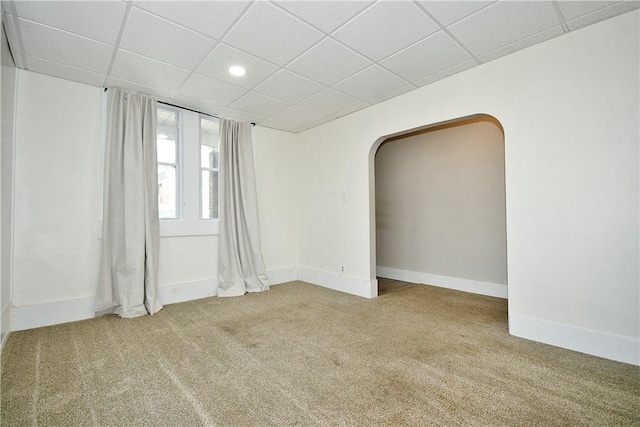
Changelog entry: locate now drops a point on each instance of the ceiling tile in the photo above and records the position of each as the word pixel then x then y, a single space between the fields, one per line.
pixel 260 105
pixel 272 34
pixel 160 39
pixel 601 14
pixel 429 56
pixel 446 73
pixel 574 9
pixel 353 109
pixel 320 122
pixel 218 63
pixel 65 48
pixel 325 15
pixel 330 101
pixel 370 83
pixel 65 72
pixel 503 23
pixel 197 15
pixel 448 12
pixel 367 33
pixel 274 124
pixel 328 62
pixel 289 87
pixel 392 94
pixel 124 84
pixel 142 70
pixel 297 116
pixel 522 43
pixel 210 90
pixel 98 20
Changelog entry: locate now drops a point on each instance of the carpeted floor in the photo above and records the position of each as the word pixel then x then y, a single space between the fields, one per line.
pixel 305 355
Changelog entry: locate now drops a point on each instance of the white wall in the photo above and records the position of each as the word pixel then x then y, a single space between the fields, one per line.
pixel 440 203
pixel 570 112
pixel 57 193
pixel 58 178
pixel 276 174
pixel 7 113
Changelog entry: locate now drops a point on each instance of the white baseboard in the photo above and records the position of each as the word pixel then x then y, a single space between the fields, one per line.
pixel 51 313
pixel 465 285
pixel 188 291
pixel 54 313
pixel 5 323
pixel 282 275
pixel 608 346
pixel 72 310
pixel 340 282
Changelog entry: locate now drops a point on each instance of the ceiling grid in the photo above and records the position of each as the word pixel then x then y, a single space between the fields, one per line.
pixel 307 62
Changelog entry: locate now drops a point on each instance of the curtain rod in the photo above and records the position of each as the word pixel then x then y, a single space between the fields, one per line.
pixel 188 109
pixel 195 111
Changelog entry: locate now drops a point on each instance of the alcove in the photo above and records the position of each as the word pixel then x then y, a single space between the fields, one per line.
pixel 440 211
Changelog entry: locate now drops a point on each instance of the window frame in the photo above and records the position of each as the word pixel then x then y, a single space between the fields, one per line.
pixel 202 168
pixel 178 140
pixel 190 222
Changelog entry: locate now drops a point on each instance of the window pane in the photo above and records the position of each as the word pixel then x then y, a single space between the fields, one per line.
pixel 167 195
pixel 209 143
pixel 166 131
pixel 167 118
pixel 166 150
pixel 208 157
pixel 209 194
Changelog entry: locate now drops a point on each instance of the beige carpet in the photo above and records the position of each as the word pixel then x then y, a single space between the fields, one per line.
pixel 304 355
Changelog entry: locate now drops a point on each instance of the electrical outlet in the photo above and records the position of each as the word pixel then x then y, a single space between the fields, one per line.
pixel 342 268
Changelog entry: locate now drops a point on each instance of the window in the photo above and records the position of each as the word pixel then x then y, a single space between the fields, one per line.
pixel 209 140
pixel 187 172
pixel 168 172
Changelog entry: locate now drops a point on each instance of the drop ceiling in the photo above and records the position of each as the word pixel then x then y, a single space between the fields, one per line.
pixel 307 62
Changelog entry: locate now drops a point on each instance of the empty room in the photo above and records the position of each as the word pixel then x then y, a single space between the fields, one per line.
pixel 267 213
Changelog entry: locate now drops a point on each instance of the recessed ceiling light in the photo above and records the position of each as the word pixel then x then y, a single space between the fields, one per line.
pixel 237 70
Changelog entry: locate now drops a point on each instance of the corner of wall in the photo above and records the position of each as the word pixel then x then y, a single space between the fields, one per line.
pixel 340 282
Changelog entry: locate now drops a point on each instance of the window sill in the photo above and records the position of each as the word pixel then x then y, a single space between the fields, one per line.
pixel 174 228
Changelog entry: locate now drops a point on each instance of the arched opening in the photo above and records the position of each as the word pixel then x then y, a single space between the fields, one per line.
pixel 437 206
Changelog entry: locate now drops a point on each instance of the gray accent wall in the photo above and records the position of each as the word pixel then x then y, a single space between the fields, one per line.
pixel 440 202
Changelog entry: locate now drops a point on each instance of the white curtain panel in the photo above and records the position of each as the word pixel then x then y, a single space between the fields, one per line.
pixel 240 264
pixel 128 277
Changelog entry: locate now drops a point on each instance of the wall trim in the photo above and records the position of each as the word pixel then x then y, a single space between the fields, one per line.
pixel 459 284
pixel 340 282
pixel 6 325
pixel 608 346
pixel 51 313
pixel 282 275
pixel 187 291
pixel 601 344
pixel 72 310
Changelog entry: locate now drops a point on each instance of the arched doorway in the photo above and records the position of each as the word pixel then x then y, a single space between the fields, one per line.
pixel 438 210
